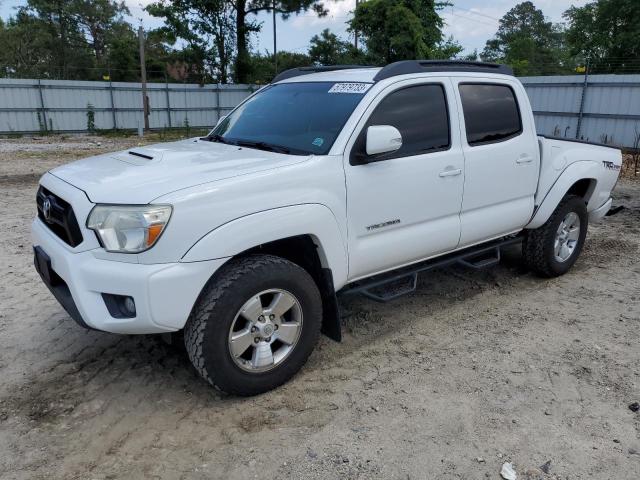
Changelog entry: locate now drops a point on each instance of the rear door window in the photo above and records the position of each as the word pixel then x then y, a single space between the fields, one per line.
pixel 491 113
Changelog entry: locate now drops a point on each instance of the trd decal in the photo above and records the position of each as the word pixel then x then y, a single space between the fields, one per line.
pixel 610 165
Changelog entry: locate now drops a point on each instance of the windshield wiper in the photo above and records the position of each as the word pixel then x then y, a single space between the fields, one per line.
pixel 270 147
pixel 218 138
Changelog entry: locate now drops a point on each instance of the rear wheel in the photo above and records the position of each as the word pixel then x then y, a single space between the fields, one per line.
pixel 553 248
pixel 254 325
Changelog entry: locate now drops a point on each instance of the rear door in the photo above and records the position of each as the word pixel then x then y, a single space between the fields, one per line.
pixel 501 158
pixel 404 206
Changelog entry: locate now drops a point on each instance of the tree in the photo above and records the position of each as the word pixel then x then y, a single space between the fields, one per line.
pixel 447 49
pixel 207 26
pixel 526 41
pixel 123 59
pixel 57 27
pixel 123 55
pixel 244 27
pixel 227 24
pixel 328 49
pixel 261 65
pixel 76 39
pixel 25 50
pixel 98 21
pixel 399 29
pixel 607 32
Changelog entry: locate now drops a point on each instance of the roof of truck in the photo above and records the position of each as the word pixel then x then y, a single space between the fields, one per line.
pixel 350 75
pixel 357 73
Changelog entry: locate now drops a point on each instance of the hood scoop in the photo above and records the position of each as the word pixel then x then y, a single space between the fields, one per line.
pixel 139 157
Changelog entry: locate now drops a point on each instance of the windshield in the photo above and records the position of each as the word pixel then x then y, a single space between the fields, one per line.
pixel 296 118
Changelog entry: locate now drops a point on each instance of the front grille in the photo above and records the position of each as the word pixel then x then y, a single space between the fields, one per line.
pixel 60 217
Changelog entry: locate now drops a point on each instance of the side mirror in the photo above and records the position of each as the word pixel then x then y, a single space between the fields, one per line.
pixel 383 139
pixel 220 120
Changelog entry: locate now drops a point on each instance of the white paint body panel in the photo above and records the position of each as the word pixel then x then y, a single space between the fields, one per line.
pixel 163 293
pixel 409 191
pixel 500 177
pixel 246 232
pixel 565 163
pixel 228 199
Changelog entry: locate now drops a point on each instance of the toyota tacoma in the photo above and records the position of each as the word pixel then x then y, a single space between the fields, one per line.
pixel 328 181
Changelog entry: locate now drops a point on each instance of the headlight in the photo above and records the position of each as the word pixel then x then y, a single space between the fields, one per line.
pixel 128 229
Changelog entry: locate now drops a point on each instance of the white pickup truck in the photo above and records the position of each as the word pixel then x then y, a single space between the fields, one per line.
pixel 330 180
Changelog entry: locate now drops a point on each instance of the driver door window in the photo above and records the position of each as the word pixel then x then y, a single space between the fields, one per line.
pixel 405 109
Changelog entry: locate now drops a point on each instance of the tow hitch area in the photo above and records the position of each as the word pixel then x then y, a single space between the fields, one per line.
pixel 614 210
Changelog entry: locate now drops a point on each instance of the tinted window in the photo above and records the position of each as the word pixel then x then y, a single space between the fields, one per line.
pixel 490 113
pixel 419 113
pixel 304 118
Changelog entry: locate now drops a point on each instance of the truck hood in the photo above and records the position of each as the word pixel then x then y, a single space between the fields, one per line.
pixel 139 175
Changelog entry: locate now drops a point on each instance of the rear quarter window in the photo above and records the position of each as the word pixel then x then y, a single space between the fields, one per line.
pixel 491 113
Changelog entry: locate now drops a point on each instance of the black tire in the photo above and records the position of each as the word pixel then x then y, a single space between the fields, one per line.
pixel 207 329
pixel 538 246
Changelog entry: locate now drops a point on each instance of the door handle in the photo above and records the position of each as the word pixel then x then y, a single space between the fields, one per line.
pixel 524 158
pixel 450 173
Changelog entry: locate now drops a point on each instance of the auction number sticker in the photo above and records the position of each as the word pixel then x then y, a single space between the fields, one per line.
pixel 350 87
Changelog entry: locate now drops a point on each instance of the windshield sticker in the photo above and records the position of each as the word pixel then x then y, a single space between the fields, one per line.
pixel 350 87
pixel 318 142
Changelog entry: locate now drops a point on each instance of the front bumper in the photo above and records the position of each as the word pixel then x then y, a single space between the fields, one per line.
pixel 164 294
pixel 599 213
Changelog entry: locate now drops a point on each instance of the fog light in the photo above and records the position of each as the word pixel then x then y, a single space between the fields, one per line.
pixel 120 306
pixel 129 305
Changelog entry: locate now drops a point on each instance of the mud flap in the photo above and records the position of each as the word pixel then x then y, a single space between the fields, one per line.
pixel 331 315
pixel 614 210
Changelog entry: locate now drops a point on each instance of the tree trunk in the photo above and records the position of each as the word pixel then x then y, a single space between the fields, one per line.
pixel 63 40
pixel 242 58
pixel 222 54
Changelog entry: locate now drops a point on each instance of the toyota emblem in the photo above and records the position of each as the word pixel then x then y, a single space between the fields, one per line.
pixel 46 209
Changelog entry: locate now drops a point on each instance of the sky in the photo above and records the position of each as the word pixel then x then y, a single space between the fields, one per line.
pixel 471 22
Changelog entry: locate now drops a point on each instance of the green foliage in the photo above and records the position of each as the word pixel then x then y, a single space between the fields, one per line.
pixel 262 67
pixel 74 39
pixel 214 29
pixel 99 21
pixel 607 32
pixel 40 41
pixel 244 27
pixel 91 118
pixel 42 125
pixel 527 42
pixel 187 126
pixel 209 40
pixel 328 49
pixel 207 27
pixel 399 29
pixel 448 48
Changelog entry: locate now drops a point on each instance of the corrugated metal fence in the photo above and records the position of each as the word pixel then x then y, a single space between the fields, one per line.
pixel 62 105
pixel 599 108
pixel 605 108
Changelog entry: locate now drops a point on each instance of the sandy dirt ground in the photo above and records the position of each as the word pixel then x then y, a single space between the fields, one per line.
pixel 474 369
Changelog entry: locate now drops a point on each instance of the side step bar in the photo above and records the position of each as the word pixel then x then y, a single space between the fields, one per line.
pixel 391 285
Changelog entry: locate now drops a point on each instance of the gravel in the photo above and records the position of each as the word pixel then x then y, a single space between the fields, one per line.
pixel 450 382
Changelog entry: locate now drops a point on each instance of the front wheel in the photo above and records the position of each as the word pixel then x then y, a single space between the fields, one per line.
pixel 254 325
pixel 553 248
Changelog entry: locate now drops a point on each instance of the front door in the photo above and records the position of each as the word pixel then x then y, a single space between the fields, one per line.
pixel 404 206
